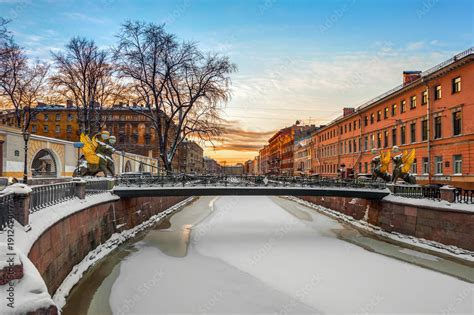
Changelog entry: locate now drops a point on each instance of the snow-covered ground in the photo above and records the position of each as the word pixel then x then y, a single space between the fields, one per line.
pixel 252 256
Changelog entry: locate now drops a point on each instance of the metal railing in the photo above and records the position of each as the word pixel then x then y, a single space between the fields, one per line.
pixel 48 195
pixel 464 196
pixel 6 205
pixel 95 186
pixel 410 191
pixel 243 181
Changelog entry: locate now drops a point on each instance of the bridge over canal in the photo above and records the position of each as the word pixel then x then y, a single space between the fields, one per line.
pixel 186 185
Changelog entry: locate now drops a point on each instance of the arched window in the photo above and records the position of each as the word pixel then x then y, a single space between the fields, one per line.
pixel 44 164
pixel 128 167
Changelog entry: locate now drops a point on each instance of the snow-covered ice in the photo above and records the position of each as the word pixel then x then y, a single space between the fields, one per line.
pixel 252 256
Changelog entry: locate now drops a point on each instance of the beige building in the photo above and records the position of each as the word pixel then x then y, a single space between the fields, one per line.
pixel 191 158
pixel 211 166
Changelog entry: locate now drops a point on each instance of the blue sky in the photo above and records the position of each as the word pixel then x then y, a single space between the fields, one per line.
pixel 297 59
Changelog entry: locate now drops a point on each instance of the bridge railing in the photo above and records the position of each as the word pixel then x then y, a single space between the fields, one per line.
pixel 414 191
pixel 185 180
pixel 98 185
pixel 6 204
pixel 48 195
pixel 464 196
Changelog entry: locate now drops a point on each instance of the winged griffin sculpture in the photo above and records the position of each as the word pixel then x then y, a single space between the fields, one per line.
pixel 97 155
pixel 401 166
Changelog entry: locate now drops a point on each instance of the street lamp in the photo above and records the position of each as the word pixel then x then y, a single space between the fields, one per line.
pixel 26 137
pixel 78 146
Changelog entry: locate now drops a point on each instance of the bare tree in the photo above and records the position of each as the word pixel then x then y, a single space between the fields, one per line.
pixel 182 88
pixel 85 75
pixel 22 84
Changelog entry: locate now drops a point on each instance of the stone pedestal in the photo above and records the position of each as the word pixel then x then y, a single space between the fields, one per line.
pixel 448 193
pixel 80 188
pixel 21 203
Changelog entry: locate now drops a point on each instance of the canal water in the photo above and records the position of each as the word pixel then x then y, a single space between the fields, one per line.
pixel 266 255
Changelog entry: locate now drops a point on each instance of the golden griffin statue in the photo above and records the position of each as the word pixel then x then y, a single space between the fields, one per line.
pixel 401 166
pixel 96 155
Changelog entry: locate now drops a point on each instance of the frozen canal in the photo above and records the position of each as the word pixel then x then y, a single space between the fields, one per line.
pixel 267 255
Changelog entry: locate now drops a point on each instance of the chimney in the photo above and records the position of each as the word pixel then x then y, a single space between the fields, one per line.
pixel 40 104
pixel 410 76
pixel 69 104
pixel 347 111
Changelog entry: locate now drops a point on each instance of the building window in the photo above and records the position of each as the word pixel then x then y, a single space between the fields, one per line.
pixel 457 123
pixel 439 165
pixel 414 168
pixel 46 117
pixel 402 134
pixel 379 140
pixel 366 143
pixel 437 92
pixel 366 167
pixel 58 128
pixel 425 166
pixel 366 121
pixel 403 106
pixel 394 136
pixel 457 85
pixel 424 130
pixel 424 97
pixel 372 118
pixel 385 113
pixel 413 102
pixel 45 128
pixel 33 128
pixel 457 164
pixel 394 109
pixel 69 117
pixel 379 116
pixel 58 117
pixel 437 127
pixel 372 141
pixel 69 128
pixel 385 139
pixel 413 132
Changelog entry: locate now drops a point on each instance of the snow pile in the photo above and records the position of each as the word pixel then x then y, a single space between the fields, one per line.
pixel 442 205
pixel 26 294
pixel 305 260
pixel 104 249
pixel 449 250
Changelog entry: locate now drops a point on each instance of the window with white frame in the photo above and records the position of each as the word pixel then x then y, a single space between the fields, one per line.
pixel 439 164
pixel 457 164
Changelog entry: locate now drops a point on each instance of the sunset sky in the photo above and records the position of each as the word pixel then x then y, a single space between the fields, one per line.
pixel 297 60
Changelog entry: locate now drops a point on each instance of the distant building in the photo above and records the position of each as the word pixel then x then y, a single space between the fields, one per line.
pixel 234 169
pixel 191 159
pixel 211 166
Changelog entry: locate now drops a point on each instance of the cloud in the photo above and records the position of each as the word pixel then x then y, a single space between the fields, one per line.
pixel 415 45
pixel 83 17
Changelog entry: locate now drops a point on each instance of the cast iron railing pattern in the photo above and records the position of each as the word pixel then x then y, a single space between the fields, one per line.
pixel 464 196
pixel 95 186
pixel 6 205
pixel 242 181
pixel 411 191
pixel 48 195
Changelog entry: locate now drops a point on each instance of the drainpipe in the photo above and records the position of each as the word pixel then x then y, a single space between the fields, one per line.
pixel 428 127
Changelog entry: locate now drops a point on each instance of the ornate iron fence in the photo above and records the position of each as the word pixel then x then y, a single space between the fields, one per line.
pixel 243 181
pixel 410 191
pixel 95 186
pixel 48 195
pixel 464 196
pixel 6 205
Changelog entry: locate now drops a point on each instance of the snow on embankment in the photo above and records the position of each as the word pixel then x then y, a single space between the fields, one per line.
pixel 309 263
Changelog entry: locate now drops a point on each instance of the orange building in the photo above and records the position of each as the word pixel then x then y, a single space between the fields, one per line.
pixel 431 111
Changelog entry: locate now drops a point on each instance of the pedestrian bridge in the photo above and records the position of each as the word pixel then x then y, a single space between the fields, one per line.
pixel 187 185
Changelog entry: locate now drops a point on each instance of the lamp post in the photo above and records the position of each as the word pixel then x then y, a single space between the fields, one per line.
pixel 78 146
pixel 26 138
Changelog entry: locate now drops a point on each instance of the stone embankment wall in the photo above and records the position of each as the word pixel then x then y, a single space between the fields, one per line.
pixel 446 226
pixel 68 241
